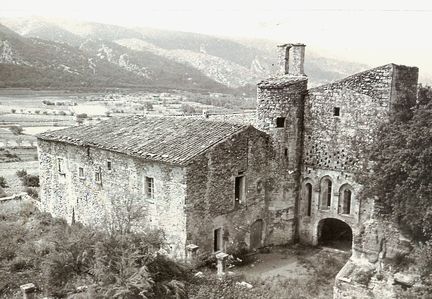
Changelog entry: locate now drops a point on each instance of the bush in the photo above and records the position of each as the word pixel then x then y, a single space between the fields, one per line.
pixel 32 192
pixel 3 183
pixel 13 110
pixel 30 180
pixel 21 173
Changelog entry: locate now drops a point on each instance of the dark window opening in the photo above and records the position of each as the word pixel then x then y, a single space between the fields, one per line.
pixel 326 194
pixel 286 152
pixel 280 122
pixel 346 202
pixel 217 239
pixel 336 111
pixel 239 190
pixel 60 165
pixel 81 172
pixel 149 187
pixel 98 176
pixel 109 165
pixel 309 199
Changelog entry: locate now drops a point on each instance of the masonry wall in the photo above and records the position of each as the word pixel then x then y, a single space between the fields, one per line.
pixel 211 193
pixel 83 199
pixel 335 141
pixel 284 97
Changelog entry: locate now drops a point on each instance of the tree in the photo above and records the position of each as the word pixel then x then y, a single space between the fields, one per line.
pixel 401 179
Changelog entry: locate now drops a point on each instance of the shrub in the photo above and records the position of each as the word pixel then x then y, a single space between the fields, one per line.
pixel 3 183
pixel 32 192
pixel 21 173
pixel 30 180
pixel 13 110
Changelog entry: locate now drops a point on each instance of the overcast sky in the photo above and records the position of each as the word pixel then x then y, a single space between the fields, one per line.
pixel 374 32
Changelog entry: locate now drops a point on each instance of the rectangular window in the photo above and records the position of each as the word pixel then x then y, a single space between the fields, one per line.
pixel 81 172
pixel 336 111
pixel 239 190
pixel 60 165
pixel 109 165
pixel 280 122
pixel 98 176
pixel 217 240
pixel 149 187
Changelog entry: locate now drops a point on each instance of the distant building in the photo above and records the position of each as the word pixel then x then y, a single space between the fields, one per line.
pixel 225 186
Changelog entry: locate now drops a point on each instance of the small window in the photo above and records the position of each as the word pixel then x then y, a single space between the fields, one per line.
pixel 239 191
pixel 109 165
pixel 98 176
pixel 286 152
pixel 308 196
pixel 326 193
pixel 149 187
pixel 336 111
pixel 217 240
pixel 280 122
pixel 60 165
pixel 81 172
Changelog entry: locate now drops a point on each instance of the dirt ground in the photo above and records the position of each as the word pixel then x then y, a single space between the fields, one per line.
pixel 293 262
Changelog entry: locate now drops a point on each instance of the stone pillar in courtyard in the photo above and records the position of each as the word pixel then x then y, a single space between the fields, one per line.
pixel 28 290
pixel 221 260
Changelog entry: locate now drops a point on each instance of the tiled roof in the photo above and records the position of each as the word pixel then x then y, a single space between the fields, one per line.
pixel 166 139
pixel 281 82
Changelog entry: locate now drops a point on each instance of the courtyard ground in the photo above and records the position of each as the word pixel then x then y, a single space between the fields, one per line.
pixel 291 262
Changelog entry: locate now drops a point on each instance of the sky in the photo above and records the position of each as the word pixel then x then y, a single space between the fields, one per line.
pixel 373 32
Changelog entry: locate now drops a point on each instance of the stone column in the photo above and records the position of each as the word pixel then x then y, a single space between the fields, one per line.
pixel 221 259
pixel 28 290
pixel 191 252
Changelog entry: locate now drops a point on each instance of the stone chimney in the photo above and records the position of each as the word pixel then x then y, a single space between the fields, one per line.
pixel 291 59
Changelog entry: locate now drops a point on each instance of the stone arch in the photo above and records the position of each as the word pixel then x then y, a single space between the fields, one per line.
pixel 336 233
pixel 346 195
pixel 326 190
pixel 256 234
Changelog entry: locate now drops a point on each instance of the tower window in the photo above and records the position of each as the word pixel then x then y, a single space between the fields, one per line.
pixel 336 111
pixel 109 165
pixel 280 122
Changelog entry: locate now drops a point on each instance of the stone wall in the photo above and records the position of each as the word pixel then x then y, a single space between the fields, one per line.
pixel 283 97
pixel 340 120
pixel 211 193
pixel 85 200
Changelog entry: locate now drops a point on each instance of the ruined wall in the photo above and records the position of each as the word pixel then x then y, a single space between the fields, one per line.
pixel 340 120
pixel 211 192
pixel 69 196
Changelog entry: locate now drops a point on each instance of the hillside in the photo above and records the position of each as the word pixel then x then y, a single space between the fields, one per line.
pixel 93 54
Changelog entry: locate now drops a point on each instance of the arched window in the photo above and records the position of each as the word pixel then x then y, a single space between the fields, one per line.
pixel 345 198
pixel 308 197
pixel 326 193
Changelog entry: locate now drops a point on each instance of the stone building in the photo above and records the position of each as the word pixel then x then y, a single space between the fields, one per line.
pixel 224 186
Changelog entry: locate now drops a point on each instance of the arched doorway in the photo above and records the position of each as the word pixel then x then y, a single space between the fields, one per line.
pixel 256 233
pixel 334 233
